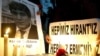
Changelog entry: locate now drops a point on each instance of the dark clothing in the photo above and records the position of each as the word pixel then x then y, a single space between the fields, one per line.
pixel 33 34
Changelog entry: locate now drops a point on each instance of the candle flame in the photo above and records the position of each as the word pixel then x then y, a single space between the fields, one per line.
pixel 7 30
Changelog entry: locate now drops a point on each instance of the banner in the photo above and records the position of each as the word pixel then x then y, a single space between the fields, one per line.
pixel 12 43
pixel 78 37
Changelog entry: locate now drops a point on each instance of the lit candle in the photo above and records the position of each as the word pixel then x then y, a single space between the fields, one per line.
pixel 6 33
pixel 6 36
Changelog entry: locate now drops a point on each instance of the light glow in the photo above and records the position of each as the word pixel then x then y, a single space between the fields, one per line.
pixel 7 30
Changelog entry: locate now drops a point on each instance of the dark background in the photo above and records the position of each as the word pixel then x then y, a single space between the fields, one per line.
pixel 70 10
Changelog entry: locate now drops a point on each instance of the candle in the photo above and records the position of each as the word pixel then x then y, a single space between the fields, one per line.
pixel 6 42
pixel 15 49
pixel 23 47
pixel 22 50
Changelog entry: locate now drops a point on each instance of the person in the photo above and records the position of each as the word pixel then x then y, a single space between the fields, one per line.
pixel 46 10
pixel 22 18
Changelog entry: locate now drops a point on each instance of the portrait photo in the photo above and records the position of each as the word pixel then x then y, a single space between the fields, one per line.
pixel 18 17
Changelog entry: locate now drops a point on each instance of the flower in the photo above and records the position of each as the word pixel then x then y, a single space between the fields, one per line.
pixel 61 52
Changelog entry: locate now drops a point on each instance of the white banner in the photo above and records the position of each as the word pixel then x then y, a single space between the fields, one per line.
pixel 78 36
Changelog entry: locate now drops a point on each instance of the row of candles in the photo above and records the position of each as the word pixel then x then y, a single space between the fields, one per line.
pixel 15 48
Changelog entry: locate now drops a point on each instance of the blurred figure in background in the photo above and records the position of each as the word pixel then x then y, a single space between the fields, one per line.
pixel 46 16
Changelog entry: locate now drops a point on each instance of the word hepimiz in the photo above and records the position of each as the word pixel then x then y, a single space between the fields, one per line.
pixel 76 29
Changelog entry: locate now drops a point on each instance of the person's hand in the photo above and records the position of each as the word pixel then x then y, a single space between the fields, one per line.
pixel 48 39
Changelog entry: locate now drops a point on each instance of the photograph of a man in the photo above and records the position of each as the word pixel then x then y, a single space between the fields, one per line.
pixel 22 27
